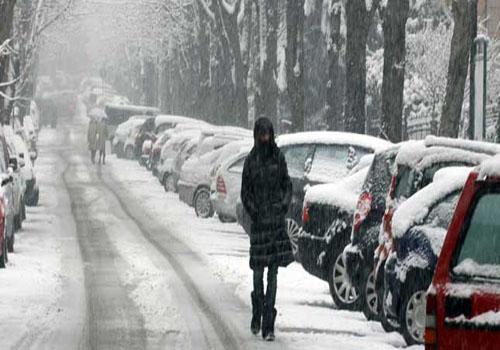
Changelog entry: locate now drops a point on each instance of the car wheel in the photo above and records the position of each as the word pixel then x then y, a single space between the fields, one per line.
pixel 33 198
pixel 344 293
pixel 10 243
pixel 4 258
pixel 225 219
pixel 168 183
pixel 294 231
pixel 413 313
pixel 202 204
pixel 370 297
pixel 388 324
pixel 129 153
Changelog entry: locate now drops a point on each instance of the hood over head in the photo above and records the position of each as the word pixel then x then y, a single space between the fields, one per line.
pixel 263 125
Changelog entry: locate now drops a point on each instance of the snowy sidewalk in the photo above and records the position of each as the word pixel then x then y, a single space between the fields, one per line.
pixel 306 314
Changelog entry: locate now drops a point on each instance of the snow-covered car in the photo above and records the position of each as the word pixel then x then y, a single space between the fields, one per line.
pixel 415 167
pixel 197 174
pixel 169 153
pixel 121 133
pixel 165 122
pixel 32 192
pixel 370 208
pixel 319 157
pixel 19 184
pixel 319 250
pixel 419 228
pixel 7 209
pixel 129 150
pixel 463 302
pixel 226 186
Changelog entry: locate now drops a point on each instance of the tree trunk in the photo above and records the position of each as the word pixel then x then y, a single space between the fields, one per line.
pixel 334 88
pixel 358 20
pixel 266 97
pixel 6 19
pixel 294 61
pixel 457 69
pixel 394 25
pixel 204 106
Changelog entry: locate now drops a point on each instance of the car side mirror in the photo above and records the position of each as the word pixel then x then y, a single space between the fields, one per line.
pixel 13 164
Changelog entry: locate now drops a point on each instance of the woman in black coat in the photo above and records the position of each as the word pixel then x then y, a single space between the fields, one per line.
pixel 266 192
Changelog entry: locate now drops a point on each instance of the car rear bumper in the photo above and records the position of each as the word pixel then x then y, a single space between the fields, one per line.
pixel 222 206
pixel 186 192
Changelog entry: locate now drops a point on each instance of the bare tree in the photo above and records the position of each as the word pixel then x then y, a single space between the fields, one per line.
pixel 457 69
pixel 6 20
pixel 358 20
pixel 395 16
pixel 294 61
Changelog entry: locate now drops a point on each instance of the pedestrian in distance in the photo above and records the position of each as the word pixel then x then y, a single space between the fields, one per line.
pixel 266 194
pixel 102 136
pixel 92 137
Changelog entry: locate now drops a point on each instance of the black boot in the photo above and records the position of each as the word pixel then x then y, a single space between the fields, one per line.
pixel 257 306
pixel 268 323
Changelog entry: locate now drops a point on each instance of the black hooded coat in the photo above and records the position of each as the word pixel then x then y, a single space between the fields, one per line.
pixel 266 192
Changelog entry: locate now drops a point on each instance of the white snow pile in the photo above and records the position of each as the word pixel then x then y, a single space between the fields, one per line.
pixel 490 167
pixel 469 267
pixel 411 152
pixel 415 209
pixel 490 318
pixel 342 194
pixel 333 138
pixel 469 145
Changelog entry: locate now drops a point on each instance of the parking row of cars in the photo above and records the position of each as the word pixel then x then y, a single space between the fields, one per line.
pixel 369 217
pixel 18 186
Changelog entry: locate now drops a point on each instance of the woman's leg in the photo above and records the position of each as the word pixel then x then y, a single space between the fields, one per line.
pixel 269 315
pixel 257 300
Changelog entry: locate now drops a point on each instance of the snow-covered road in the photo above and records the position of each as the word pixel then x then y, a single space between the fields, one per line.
pixel 110 261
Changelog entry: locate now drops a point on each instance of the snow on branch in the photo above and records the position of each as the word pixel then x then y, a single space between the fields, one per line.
pixel 207 10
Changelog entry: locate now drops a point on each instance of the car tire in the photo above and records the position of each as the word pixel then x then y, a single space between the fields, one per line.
pixel 33 198
pixel 389 325
pixel 10 243
pixel 344 294
pixel 168 183
pixel 413 312
pixel 129 153
pixel 294 231
pixel 369 296
pixel 202 204
pixel 4 258
pixel 225 219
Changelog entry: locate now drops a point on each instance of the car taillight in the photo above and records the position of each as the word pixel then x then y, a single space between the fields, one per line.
pixel 362 209
pixel 389 212
pixel 221 185
pixel 305 213
pixel 430 322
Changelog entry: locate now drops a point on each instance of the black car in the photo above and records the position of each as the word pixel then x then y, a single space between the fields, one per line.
pixel 317 158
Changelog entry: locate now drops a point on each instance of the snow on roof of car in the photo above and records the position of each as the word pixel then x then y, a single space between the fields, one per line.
pixel 333 137
pixel 342 194
pixel 416 155
pixel 162 119
pixel 414 210
pixel 490 167
pixel 470 145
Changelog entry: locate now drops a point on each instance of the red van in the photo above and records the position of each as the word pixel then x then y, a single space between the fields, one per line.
pixel 463 302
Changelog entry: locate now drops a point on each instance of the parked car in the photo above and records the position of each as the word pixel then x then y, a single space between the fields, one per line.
pixel 7 209
pixel 419 226
pixel 129 146
pixel 122 131
pixel 226 186
pixel 165 122
pixel 463 302
pixel 27 170
pixel 320 245
pixel 320 157
pixel 16 162
pixel 370 207
pixel 168 155
pixel 415 167
pixel 197 173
